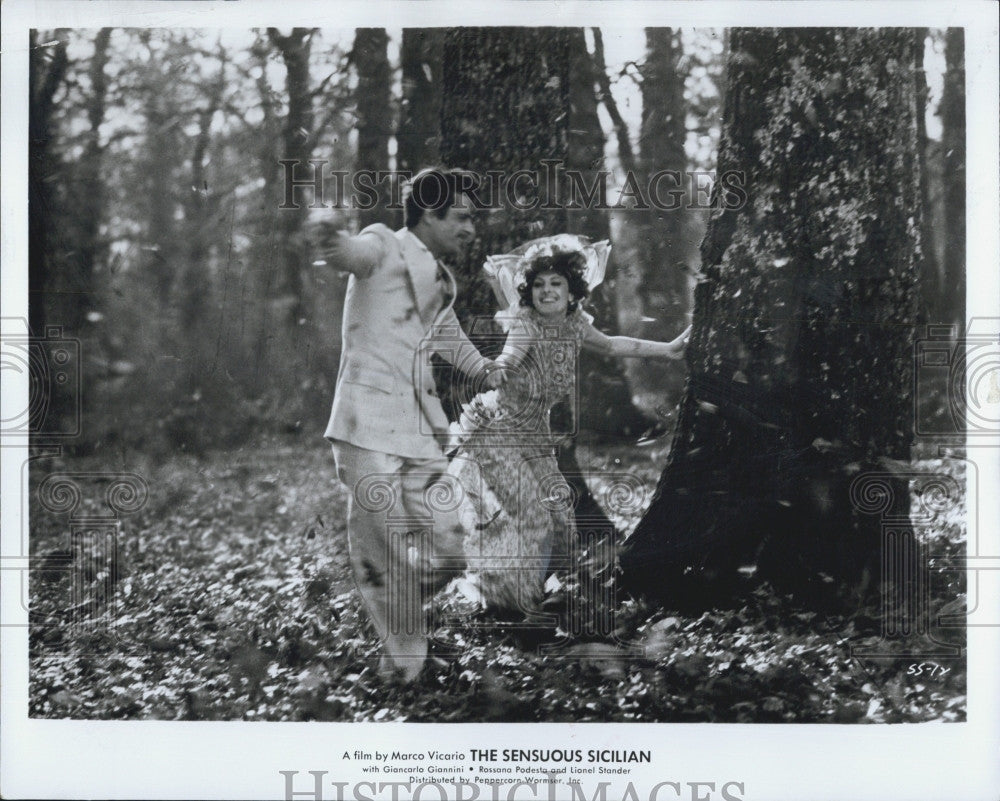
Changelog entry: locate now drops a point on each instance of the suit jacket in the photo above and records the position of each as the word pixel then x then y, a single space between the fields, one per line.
pixel 397 312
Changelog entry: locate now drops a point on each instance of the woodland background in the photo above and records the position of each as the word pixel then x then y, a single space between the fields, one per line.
pixel 209 346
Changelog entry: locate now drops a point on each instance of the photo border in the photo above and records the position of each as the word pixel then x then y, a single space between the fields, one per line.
pixel 798 762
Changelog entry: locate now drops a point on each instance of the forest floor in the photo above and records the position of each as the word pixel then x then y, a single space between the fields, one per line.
pixel 230 598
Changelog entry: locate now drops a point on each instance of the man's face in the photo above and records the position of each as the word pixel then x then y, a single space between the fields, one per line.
pixel 450 235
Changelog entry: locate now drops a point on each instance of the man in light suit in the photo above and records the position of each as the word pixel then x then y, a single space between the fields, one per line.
pixel 387 425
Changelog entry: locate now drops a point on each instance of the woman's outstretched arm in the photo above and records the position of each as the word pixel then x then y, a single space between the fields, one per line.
pixel 516 346
pixel 626 347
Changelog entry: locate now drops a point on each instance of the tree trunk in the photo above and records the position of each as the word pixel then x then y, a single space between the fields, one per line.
pixel 297 148
pixel 268 162
pixel 664 284
pixel 160 170
pixel 91 182
pixel 507 105
pixel 374 112
pixel 800 356
pixel 614 411
pixel 200 210
pixel 953 145
pixel 419 137
pixel 504 103
pixel 48 68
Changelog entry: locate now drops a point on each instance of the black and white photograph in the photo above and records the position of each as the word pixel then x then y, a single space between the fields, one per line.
pixel 379 382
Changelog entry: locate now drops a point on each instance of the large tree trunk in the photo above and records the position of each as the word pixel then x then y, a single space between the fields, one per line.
pixel 419 136
pixel 504 104
pixel 61 271
pixel 953 145
pixel 508 104
pixel 268 157
pixel 800 357
pixel 374 111
pixel 66 274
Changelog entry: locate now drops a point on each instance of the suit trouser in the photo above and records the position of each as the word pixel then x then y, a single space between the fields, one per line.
pixel 405 541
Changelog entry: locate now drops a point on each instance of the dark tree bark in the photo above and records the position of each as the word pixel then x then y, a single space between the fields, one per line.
pixel 504 108
pixel 508 104
pixel 47 70
pixel 90 185
pixel 419 136
pixel 800 357
pixel 625 154
pixel 160 170
pixel 297 145
pixel 953 145
pixel 66 207
pixel 615 412
pixel 664 284
pixel 374 111
pixel 64 273
pixel 200 210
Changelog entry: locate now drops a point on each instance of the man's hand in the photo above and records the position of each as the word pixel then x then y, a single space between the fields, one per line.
pixel 334 250
pixel 340 251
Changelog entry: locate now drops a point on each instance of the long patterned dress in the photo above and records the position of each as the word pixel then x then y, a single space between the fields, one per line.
pixel 517 507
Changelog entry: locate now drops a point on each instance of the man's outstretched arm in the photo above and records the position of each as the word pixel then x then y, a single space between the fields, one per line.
pixel 358 255
pixel 452 345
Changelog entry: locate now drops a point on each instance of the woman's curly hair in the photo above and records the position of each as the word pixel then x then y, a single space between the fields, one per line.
pixel 571 265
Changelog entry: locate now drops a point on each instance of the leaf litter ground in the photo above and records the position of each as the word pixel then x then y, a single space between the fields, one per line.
pixel 231 599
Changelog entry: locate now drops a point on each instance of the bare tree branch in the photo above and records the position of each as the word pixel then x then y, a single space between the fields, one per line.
pixel 625 154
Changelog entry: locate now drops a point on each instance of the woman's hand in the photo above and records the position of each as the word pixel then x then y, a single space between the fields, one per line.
pixel 679 345
pixel 630 347
pixel 494 376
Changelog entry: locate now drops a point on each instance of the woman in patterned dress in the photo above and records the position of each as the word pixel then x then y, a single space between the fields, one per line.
pixel 517 507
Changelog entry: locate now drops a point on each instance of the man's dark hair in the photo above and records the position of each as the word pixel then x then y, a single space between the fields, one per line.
pixel 434 189
pixel 569 264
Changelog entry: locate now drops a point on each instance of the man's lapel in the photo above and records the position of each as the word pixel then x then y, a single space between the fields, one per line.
pixel 420 270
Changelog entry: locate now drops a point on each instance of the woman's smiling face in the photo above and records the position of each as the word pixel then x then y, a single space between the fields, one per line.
pixel 550 294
